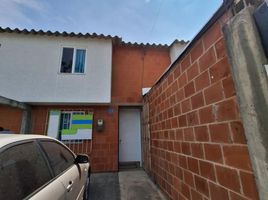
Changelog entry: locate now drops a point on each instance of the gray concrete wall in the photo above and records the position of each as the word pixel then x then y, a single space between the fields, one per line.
pixel 247 60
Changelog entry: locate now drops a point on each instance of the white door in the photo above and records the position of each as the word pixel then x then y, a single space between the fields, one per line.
pixel 129 135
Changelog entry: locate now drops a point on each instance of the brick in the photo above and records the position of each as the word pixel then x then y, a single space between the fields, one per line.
pixel 186 62
pixel 227 110
pixel 177 147
pixel 228 87
pixel 188 178
pixel 188 134
pixel 189 89
pixel 182 121
pixel 183 161
pixel 175 86
pixel 181 197
pixel 201 133
pixel 185 190
pixel 238 132
pixel 213 152
pixel 228 177
pixel 212 35
pixel 237 156
pixel 217 192
pixel 192 118
pixel 220 133
pixel 178 172
pixel 207 60
pixel 220 49
pixel 195 195
pixel 174 122
pixel 186 105
pixel 193 165
pixel 197 51
pixel 234 196
pixel 202 81
pixel 207 170
pixel 182 80
pixel 179 134
pixel 180 95
pixel 177 71
pixel 197 100
pixel 175 194
pixel 206 115
pixel 220 70
pixel 170 78
pixel 249 185
pixel 214 93
pixel 193 71
pixel 197 150
pixel 177 109
pixel 201 185
pixel 185 148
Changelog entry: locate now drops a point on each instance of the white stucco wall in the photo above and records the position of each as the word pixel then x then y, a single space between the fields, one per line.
pixel 175 50
pixel 30 65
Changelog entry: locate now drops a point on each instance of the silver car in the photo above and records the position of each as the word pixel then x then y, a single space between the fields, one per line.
pixel 41 168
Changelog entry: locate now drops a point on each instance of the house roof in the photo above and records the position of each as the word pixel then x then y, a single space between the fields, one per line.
pixel 135 44
pixel 57 33
pixel 116 39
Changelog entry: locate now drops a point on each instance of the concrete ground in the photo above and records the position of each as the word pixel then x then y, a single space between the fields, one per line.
pixel 125 185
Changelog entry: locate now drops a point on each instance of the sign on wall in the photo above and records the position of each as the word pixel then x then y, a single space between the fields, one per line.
pixel 80 128
pixel 70 125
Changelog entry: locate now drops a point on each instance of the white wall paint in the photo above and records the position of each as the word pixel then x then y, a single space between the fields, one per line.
pixel 175 50
pixel 29 70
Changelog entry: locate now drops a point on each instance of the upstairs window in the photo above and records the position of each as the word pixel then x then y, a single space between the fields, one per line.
pixel 73 60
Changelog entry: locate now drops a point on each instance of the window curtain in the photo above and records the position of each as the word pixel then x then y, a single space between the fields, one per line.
pixel 80 61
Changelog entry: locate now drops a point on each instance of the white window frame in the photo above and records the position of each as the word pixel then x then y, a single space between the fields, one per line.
pixel 74 59
pixel 72 113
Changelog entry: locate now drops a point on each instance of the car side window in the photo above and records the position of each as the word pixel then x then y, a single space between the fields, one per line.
pixel 59 157
pixel 22 171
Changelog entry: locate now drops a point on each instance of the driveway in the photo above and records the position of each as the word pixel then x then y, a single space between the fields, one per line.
pixel 124 185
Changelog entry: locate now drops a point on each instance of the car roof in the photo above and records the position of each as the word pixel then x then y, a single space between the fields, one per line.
pixel 6 139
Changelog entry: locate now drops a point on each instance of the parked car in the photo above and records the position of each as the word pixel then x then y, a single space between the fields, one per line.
pixel 41 168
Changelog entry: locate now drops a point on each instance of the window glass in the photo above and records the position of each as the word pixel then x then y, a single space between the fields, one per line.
pixel 80 61
pixel 67 60
pixel 22 171
pixel 65 120
pixel 59 157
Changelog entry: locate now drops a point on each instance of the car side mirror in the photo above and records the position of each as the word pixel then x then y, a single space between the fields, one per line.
pixel 81 158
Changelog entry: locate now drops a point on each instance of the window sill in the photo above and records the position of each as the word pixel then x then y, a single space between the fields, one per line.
pixel 59 73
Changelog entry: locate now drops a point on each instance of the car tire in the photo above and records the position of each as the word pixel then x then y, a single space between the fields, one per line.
pixel 86 190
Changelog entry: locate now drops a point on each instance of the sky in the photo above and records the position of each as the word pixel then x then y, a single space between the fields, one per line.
pixel 142 21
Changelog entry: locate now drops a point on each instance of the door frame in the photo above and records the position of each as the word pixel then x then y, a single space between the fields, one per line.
pixel 140 138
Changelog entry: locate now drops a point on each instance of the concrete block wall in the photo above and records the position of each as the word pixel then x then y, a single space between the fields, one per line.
pixel 198 145
pixel 104 154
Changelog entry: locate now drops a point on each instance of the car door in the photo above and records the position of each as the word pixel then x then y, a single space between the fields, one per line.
pixel 62 161
pixel 25 173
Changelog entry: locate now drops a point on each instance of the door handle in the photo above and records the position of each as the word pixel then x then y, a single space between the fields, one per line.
pixel 69 187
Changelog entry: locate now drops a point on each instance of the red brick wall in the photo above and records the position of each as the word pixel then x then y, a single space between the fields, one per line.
pixel 10 118
pixel 104 156
pixel 199 150
pixel 134 68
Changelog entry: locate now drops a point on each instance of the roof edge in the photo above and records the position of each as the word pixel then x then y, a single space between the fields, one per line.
pixel 58 34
